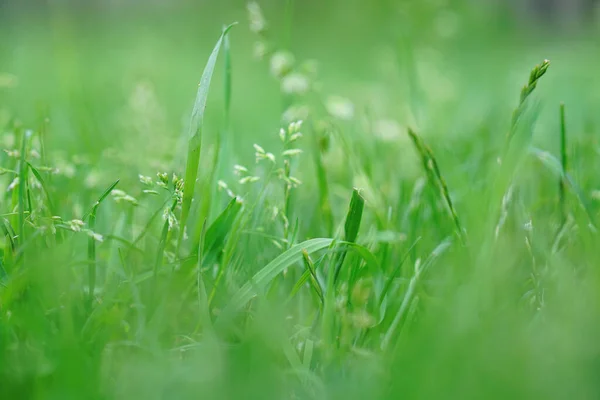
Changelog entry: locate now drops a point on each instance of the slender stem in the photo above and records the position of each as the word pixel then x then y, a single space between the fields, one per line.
pixel 563 161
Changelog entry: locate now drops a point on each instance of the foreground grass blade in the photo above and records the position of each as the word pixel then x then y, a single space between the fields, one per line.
pixel 195 135
pixel 351 226
pixel 92 244
pixel 260 280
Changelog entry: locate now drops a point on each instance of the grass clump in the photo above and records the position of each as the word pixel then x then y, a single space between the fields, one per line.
pixel 321 259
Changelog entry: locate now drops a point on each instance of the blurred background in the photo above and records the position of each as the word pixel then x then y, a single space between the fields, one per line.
pixel 122 74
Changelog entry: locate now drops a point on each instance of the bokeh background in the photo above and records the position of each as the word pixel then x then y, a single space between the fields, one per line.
pixel 123 73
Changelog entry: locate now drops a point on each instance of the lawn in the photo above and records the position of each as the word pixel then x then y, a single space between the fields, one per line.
pixel 322 200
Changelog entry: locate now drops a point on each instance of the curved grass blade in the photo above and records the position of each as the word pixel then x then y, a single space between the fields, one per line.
pixel 390 279
pixel 555 166
pixel 195 135
pixel 260 280
pixel 101 199
pixel 42 182
pixel 311 268
pixel 420 270
pixel 364 253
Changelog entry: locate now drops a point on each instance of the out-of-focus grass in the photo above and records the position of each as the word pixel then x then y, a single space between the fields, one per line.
pixel 468 273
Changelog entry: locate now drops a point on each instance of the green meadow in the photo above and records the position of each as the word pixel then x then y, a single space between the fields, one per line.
pixel 297 200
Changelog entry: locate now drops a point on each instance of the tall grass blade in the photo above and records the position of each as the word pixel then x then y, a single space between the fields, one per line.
pixel 222 144
pixel 563 162
pixel 195 135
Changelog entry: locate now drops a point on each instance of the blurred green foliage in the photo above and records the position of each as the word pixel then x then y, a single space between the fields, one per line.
pixel 110 88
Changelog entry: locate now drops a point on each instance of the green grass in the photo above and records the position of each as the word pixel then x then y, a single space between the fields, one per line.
pixel 382 223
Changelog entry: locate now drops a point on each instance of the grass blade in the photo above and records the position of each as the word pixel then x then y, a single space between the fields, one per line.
pixel 91 252
pixel 260 280
pixel 42 182
pixel 555 166
pixel 101 199
pixel 310 274
pixel 218 230
pixel 563 161
pixel 435 178
pixel 420 270
pixel 351 226
pixel 227 85
pixel 222 145
pixel 396 272
pixel 195 135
